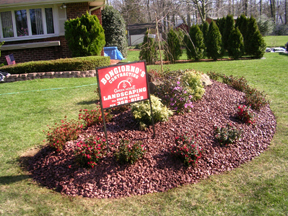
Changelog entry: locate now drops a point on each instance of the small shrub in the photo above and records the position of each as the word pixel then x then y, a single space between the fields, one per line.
pixel 175 96
pixel 58 135
pixel 245 114
pixel 85 35
pixel 142 113
pixel 192 79
pixel 90 151
pixel 239 84
pixel 227 135
pixel 129 153
pixel 91 117
pixel 214 75
pixel 255 99
pixel 187 150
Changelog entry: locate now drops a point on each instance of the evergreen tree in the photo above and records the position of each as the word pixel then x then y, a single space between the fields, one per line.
pixel 148 49
pixel 173 48
pixel 115 29
pixel 242 23
pixel 214 45
pixel 205 29
pixel 85 35
pixel 221 25
pixel 195 44
pixel 258 45
pixel 235 44
pixel 251 30
pixel 229 26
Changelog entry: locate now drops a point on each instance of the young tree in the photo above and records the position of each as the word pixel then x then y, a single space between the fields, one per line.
pixel 205 29
pixel 258 45
pixel 148 49
pixel 173 48
pixel 229 26
pixel 85 35
pixel 235 44
pixel 195 43
pixel 214 45
pixel 251 30
pixel 221 25
pixel 115 29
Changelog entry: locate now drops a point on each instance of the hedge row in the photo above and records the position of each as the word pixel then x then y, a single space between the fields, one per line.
pixel 67 64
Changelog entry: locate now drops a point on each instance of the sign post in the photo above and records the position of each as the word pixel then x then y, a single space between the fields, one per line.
pixel 123 84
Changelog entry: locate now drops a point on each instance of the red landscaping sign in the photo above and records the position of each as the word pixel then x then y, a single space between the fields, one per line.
pixel 122 84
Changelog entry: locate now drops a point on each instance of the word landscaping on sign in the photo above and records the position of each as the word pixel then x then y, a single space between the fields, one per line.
pixel 122 84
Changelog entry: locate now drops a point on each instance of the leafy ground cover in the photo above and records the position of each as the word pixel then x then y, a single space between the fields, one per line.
pixel 256 188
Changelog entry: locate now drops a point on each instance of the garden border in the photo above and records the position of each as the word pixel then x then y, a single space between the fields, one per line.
pixel 44 75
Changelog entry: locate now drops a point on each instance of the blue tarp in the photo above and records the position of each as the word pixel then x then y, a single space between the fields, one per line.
pixel 113 52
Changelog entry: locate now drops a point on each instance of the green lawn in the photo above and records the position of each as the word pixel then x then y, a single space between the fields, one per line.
pixel 256 188
pixel 276 41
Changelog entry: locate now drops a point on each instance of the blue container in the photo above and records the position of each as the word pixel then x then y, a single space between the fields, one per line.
pixel 113 52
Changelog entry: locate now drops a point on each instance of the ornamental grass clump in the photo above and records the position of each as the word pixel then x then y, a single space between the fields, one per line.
pixel 129 153
pixel 91 117
pixel 245 114
pixel 90 151
pixel 187 150
pixel 227 135
pixel 142 113
pixel 175 96
pixel 255 99
pixel 59 134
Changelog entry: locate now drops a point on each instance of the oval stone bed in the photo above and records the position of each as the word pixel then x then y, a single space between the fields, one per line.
pixel 158 171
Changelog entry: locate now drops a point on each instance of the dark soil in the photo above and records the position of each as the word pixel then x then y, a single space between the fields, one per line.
pixel 158 171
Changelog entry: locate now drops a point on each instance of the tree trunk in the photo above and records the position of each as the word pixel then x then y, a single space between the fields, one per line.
pixel 286 13
pixel 272 8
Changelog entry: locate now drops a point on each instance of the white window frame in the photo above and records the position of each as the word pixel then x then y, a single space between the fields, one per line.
pixel 30 36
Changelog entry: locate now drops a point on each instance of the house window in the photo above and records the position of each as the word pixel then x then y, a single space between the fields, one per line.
pixel 27 22
pixel 21 23
pixel 7 24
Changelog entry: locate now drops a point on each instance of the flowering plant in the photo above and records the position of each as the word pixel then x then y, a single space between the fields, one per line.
pixel 90 151
pixel 227 135
pixel 175 96
pixel 187 150
pixel 91 117
pixel 58 135
pixel 129 153
pixel 255 98
pixel 245 114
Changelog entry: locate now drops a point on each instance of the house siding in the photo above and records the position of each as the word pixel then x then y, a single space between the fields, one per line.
pixel 48 53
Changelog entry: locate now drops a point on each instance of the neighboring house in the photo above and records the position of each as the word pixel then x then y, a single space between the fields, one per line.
pixel 34 29
pixel 136 32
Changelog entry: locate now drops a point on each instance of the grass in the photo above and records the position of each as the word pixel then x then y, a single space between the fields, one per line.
pixel 276 41
pixel 256 188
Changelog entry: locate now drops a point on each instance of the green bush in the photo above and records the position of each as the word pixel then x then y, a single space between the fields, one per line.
pixel 221 25
pixel 214 45
pixel 257 45
pixel 195 43
pixel 115 29
pixel 172 49
pixel 67 64
pixel 148 49
pixel 235 44
pixel 265 25
pixel 192 79
pixel 129 153
pixel 227 135
pixel 229 26
pixel 142 113
pixel 85 35
pixel 205 30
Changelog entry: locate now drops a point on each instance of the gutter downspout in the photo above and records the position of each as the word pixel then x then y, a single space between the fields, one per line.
pixel 95 8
